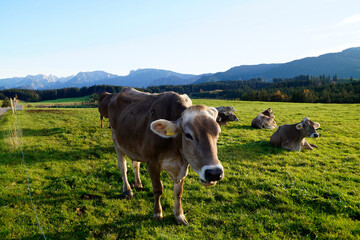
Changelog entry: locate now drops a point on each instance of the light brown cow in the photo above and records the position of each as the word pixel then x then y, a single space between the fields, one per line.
pixel 292 137
pixel 104 99
pixel 168 133
pixel 265 120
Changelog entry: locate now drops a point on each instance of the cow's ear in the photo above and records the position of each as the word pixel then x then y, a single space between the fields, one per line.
pixel 165 128
pixel 316 125
pixel 214 112
pixel 299 126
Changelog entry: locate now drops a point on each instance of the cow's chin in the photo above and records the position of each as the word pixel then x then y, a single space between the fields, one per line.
pixel 207 183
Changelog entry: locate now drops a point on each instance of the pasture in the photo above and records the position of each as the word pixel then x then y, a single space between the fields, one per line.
pixel 267 192
pixel 58 101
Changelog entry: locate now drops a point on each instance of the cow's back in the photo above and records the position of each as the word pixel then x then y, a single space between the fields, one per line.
pixel 256 122
pixel 285 132
pixel 130 115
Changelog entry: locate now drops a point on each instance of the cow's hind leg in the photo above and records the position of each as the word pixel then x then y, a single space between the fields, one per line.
pixel 136 166
pixel 101 120
pixel 121 161
pixel 157 186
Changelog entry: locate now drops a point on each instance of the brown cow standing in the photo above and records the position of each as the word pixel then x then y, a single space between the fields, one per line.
pixel 264 120
pixel 168 133
pixel 292 137
pixel 104 99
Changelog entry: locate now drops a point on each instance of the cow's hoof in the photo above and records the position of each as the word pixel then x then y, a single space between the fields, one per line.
pixel 139 187
pixel 181 220
pixel 128 194
pixel 158 216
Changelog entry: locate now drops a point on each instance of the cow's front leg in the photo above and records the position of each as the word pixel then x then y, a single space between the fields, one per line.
pixel 178 211
pixel 121 161
pixel 178 170
pixel 157 186
pixel 305 144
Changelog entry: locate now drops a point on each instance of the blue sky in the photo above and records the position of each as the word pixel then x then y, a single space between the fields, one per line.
pixel 64 37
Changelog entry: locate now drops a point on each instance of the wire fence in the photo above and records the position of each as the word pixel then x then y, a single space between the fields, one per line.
pixel 19 135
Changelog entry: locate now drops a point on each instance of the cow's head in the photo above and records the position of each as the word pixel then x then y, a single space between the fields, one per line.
pixel 226 117
pixel 308 128
pixel 199 131
pixel 269 112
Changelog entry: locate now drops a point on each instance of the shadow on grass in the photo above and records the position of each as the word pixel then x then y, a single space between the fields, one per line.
pixel 254 150
pixel 124 225
pixel 29 132
pixel 244 127
pixel 124 228
pixel 51 155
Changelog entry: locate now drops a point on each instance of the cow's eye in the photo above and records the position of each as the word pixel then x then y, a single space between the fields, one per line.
pixel 188 136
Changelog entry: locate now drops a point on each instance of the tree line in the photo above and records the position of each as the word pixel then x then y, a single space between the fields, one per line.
pixel 305 88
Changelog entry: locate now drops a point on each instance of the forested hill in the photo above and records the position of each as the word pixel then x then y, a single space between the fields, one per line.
pixel 300 89
pixel 344 64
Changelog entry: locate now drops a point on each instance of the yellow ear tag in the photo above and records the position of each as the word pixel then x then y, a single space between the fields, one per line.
pixel 169 132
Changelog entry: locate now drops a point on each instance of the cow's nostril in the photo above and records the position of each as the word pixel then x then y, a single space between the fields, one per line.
pixel 316 135
pixel 214 174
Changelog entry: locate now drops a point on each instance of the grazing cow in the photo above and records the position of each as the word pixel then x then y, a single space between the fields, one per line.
pixel 104 99
pixel 265 119
pixel 168 133
pixel 226 115
pixel 292 137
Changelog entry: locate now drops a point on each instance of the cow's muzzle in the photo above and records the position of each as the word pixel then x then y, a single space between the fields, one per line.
pixel 211 174
pixel 315 135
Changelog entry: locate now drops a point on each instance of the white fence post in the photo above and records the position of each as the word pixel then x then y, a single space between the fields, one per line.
pixel 12 105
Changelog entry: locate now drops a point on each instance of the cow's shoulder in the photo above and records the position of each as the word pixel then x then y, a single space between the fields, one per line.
pixel 169 106
pixel 289 131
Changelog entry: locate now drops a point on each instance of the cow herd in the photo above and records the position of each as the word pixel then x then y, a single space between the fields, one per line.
pixel 168 133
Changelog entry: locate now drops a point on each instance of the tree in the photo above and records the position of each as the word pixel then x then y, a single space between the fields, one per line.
pixel 277 96
pixel 6 102
pixel 335 78
pixel 94 97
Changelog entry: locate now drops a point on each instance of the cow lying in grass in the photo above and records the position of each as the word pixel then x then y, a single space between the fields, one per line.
pixel 225 115
pixel 104 99
pixel 168 133
pixel 265 119
pixel 292 137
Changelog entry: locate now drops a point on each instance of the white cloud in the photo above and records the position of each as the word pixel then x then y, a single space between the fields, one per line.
pixel 350 20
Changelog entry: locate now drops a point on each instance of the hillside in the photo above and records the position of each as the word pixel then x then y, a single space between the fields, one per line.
pixel 344 64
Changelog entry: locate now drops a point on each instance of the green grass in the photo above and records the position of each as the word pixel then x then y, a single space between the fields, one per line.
pixel 267 192
pixel 58 101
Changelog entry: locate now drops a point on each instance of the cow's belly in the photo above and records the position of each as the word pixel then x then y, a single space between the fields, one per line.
pixel 135 156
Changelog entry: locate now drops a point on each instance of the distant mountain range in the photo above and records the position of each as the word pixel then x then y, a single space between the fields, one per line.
pixel 344 64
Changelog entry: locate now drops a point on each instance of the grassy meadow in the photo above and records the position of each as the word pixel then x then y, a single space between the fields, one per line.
pixel 267 192
pixel 58 101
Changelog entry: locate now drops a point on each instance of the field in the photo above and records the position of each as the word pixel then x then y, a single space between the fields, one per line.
pixel 58 101
pixel 267 192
